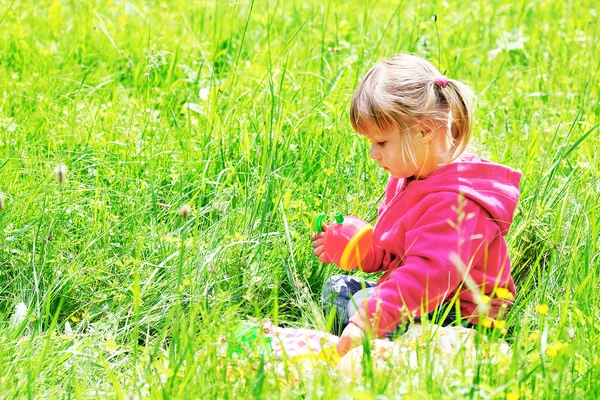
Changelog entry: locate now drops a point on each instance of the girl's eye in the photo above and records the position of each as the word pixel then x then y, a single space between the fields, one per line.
pixel 380 144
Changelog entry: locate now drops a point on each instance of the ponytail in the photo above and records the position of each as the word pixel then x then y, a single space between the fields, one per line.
pixel 460 101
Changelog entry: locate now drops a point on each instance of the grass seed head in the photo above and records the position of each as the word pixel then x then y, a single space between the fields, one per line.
pixel 60 172
pixel 184 211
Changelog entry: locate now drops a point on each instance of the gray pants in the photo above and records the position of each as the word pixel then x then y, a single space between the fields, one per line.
pixel 343 295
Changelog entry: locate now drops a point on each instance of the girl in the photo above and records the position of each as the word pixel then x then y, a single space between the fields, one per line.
pixel 440 233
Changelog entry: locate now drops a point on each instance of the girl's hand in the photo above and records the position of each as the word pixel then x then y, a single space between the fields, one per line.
pixel 351 338
pixel 317 242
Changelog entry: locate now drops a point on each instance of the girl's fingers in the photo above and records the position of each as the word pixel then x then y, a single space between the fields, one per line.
pixel 324 258
pixel 317 235
pixel 343 346
pixel 318 250
pixel 318 242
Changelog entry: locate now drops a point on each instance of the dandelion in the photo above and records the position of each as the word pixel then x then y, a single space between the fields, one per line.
pixel 2 205
pixel 60 173
pixel 487 322
pixel 503 293
pixel 542 308
pixel 533 336
pixel 184 211
pixel 552 351
pixel 513 395
pixel 75 319
pixel 499 324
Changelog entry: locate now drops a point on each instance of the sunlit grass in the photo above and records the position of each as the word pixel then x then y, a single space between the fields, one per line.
pixel 240 110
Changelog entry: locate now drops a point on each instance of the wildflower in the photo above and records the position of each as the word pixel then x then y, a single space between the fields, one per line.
pixel 487 322
pixel 499 324
pixel 2 205
pixel 60 172
pixel 533 336
pixel 553 350
pixel 184 211
pixel 542 308
pixel 204 93
pixel 513 395
pixel 186 282
pixel 485 299
pixel 68 331
pixel 75 319
pixel 503 293
pixel 19 315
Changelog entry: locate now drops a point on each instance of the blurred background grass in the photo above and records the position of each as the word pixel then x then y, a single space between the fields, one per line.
pixel 240 110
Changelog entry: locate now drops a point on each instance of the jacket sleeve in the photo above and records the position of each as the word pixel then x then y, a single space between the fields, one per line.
pixel 444 226
pixel 379 259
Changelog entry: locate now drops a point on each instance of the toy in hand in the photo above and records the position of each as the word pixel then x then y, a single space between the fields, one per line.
pixel 347 240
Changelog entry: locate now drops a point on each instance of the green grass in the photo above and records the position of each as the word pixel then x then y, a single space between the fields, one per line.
pixel 240 110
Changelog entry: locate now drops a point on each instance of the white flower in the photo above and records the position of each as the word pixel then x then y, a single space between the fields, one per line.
pixel 204 92
pixel 19 315
pixel 68 329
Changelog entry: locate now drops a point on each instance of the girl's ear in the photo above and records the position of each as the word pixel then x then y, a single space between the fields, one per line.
pixel 428 129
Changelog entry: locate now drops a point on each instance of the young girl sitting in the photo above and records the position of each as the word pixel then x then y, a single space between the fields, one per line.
pixel 440 233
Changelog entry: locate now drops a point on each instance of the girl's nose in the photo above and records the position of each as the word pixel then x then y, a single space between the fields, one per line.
pixel 373 154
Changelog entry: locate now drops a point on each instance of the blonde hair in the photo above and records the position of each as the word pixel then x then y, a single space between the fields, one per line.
pixel 403 92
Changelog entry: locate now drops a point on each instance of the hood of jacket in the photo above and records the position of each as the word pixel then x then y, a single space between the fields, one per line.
pixel 495 187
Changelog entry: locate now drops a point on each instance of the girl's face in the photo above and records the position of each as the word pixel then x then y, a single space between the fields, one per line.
pixel 389 150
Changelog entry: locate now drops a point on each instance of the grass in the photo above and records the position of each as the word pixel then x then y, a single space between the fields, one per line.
pixel 240 110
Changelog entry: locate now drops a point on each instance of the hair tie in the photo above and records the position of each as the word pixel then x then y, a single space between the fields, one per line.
pixel 441 81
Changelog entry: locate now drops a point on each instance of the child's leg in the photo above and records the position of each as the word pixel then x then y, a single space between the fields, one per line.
pixel 337 294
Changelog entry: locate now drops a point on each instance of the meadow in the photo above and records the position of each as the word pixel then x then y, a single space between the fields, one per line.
pixel 114 114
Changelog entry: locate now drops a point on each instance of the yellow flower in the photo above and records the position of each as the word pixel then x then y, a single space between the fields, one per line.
pixel 186 282
pixel 486 322
pixel 75 319
pixel 533 336
pixel 503 293
pixel 499 324
pixel 542 308
pixel 513 395
pixel 552 351
pixel 485 299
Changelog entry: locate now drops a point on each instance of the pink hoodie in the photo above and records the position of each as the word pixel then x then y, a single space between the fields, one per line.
pixel 464 208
